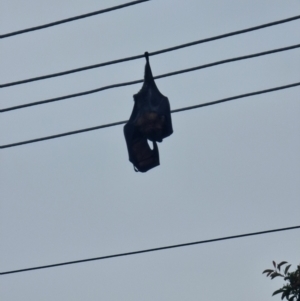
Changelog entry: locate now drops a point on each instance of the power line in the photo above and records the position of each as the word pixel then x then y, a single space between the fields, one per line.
pixel 151 53
pixel 70 96
pixel 173 111
pixel 64 134
pixel 150 250
pixel 236 97
pixel 71 19
pixel 141 80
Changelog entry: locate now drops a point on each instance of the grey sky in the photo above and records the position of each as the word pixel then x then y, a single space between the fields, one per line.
pixel 228 169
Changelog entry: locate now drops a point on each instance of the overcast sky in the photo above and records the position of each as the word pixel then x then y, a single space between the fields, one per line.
pixel 227 169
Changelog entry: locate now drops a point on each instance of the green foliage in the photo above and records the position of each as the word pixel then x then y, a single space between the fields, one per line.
pixel 291 290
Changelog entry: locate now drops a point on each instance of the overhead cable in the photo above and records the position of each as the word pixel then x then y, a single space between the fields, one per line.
pixel 141 80
pixel 150 250
pixel 173 111
pixel 150 53
pixel 71 19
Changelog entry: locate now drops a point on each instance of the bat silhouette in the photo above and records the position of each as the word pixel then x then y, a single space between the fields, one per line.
pixel 150 120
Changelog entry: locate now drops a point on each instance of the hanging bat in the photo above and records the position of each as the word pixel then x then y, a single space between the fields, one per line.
pixel 150 120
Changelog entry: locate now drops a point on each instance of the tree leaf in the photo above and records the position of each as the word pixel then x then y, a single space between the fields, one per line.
pixel 275 275
pixel 278 292
pixel 287 293
pixel 267 271
pixel 280 264
pixel 287 268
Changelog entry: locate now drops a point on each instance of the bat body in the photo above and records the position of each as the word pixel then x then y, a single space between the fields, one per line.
pixel 150 120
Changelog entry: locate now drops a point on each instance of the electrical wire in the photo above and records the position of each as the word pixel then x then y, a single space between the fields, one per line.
pixel 71 19
pixel 173 111
pixel 156 77
pixel 151 53
pixel 150 250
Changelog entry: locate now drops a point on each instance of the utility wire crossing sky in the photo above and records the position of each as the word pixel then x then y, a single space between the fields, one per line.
pixel 151 250
pixel 71 19
pixel 173 111
pixel 226 35
pixel 155 77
